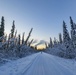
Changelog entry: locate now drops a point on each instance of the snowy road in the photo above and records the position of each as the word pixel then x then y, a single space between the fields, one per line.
pixel 39 64
pixel 46 65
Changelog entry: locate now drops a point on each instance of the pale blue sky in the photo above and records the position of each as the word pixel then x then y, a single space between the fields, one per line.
pixel 45 16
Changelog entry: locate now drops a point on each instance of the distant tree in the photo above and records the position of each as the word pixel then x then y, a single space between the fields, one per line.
pixel 13 29
pixel 23 38
pixel 28 36
pixel 19 39
pixel 46 45
pixel 60 38
pixel 51 43
pixel 55 42
pixel 35 47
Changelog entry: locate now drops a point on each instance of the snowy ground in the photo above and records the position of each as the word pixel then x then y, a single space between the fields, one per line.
pixel 39 64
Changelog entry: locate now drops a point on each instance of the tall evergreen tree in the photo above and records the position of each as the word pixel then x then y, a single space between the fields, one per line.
pixel 67 42
pixel 2 26
pixel 72 28
pixel 66 36
pixel 73 32
pixel 13 29
pixel 72 23
pixel 28 36
pixel 60 38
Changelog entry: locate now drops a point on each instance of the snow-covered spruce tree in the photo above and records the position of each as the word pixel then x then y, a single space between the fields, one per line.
pixel 2 28
pixel 73 32
pixel 51 43
pixel 28 36
pixel 60 38
pixel 69 53
pixel 72 27
pixel 13 29
pixel 55 42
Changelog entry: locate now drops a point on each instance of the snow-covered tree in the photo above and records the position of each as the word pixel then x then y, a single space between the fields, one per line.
pixel 73 32
pixel 2 26
pixel 51 43
pixel 60 38
pixel 55 42
pixel 2 29
pixel 66 36
pixel 67 42
pixel 13 29
pixel 28 36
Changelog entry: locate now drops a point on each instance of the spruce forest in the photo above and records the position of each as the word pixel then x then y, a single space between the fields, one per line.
pixel 14 46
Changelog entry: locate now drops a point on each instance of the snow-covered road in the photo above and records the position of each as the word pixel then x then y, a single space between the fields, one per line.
pixel 39 64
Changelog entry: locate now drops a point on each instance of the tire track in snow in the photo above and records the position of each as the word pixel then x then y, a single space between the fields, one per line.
pixel 27 67
pixel 44 64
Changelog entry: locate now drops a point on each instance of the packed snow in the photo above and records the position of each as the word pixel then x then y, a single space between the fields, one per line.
pixel 39 64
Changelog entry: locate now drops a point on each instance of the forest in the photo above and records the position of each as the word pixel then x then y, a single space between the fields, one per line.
pixel 14 46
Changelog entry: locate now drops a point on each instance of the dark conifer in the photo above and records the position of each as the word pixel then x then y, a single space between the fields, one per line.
pixel 13 29
pixel 28 36
pixel 2 26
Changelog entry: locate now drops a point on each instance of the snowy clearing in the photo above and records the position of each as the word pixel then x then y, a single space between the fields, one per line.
pixel 39 64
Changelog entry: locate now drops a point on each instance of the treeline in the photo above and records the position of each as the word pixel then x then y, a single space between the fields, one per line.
pixel 13 46
pixel 66 45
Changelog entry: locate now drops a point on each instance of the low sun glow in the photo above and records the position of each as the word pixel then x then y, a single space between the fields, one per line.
pixel 42 46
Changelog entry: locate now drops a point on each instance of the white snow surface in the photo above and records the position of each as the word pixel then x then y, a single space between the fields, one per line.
pixel 39 64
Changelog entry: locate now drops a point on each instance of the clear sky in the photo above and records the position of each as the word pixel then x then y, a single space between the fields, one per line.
pixel 45 16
